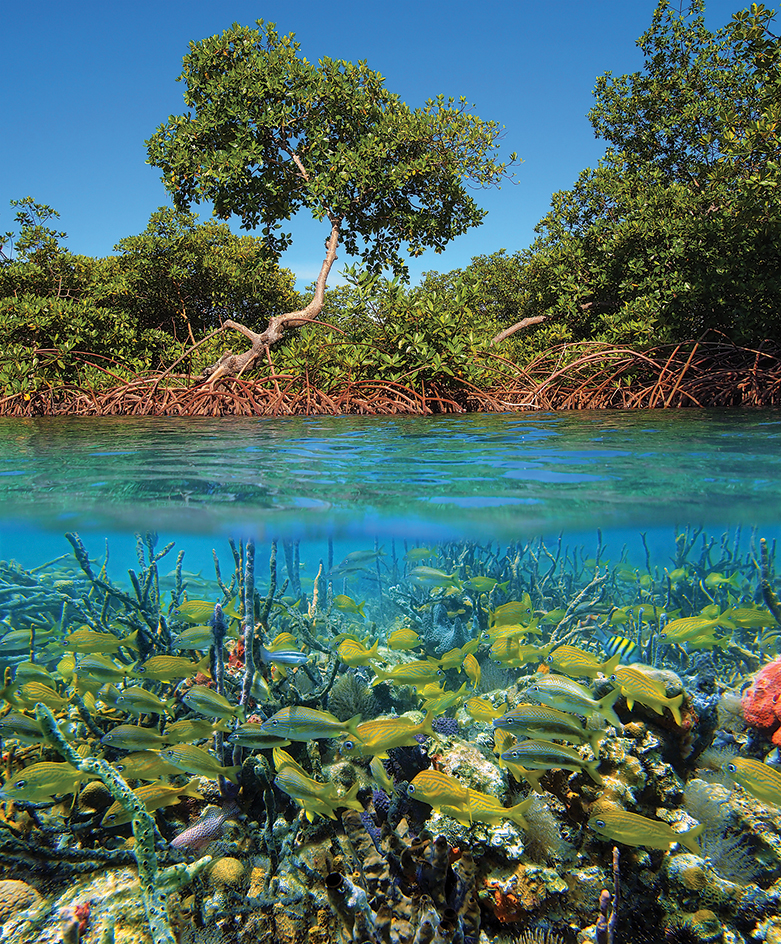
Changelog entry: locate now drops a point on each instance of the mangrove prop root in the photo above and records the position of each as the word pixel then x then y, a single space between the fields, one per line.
pixel 581 375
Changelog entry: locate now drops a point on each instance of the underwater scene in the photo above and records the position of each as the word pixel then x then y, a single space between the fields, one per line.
pixel 489 680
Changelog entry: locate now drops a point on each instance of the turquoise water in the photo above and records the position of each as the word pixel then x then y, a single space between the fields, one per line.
pixel 596 511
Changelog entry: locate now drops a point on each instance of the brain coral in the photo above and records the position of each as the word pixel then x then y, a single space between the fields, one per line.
pixel 16 896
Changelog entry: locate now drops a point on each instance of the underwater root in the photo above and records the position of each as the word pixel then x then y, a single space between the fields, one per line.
pixel 584 375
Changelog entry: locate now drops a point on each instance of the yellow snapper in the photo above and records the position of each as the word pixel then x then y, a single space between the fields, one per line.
pixel 402 639
pixel 761 780
pixel 438 789
pixel 348 605
pixel 144 765
pixel 480 709
pixel 544 755
pixel 298 723
pixel 253 736
pixel 193 729
pixel 205 701
pixel 89 640
pixel 542 721
pixel 407 673
pixel 432 577
pixel 168 668
pixel 635 830
pixel 195 611
pixel 20 727
pixel 40 782
pixel 355 653
pixel 197 761
pixel 749 617
pixel 576 663
pixel 484 808
pixel 132 737
pixel 154 796
pixel 283 759
pixel 315 798
pixel 566 694
pixel 138 701
pixel 637 685
pixel 381 734
pixel 690 627
pixel 472 669
pixel 513 613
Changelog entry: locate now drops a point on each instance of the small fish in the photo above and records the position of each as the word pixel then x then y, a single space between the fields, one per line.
pixel 637 685
pixel 484 808
pixel 514 612
pixel 20 727
pixel 252 735
pixel 297 723
pixel 32 672
pixel 195 760
pixel 620 646
pixel 714 581
pixel 101 668
pixel 527 654
pixel 402 639
pixel 564 693
pixel 154 796
pixel 440 703
pixel 132 737
pixel 544 755
pixel 206 828
pixel 380 775
pixel 40 782
pixel 635 830
pixel 33 692
pixel 193 729
pixel 690 627
pixel 431 577
pixel 195 611
pixel 138 701
pixel 89 640
pixel 576 663
pixel 381 734
pixel 503 742
pixel 348 605
pixel 407 673
pixel 472 669
pixel 542 721
pixel 144 765
pixel 169 668
pixel 282 656
pixel 761 780
pixel 354 653
pixel 452 659
pixel 748 617
pixel 438 789
pixel 482 710
pixel 315 798
pixel 283 759
pixel 205 701
pixel 485 584
pixel 416 554
pixel 196 637
pixel 553 616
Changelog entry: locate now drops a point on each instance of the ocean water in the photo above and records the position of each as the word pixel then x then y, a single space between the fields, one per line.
pixel 476 533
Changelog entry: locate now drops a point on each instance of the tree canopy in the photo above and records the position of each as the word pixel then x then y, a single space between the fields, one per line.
pixel 270 133
pixel 678 229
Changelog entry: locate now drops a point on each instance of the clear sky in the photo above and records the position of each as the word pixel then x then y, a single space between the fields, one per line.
pixel 85 83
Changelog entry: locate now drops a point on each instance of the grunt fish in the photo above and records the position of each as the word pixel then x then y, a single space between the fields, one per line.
pixel 638 685
pixel 298 723
pixel 381 734
pixel 635 830
pixel 564 693
pixel 544 755
pixel 195 760
pixel 761 780
pixel 439 789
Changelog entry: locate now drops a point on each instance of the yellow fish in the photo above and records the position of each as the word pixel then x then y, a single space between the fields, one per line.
pixel 761 780
pixel 438 789
pixel 169 668
pixel 402 639
pixel 195 760
pixel 40 782
pixel 348 605
pixel 637 685
pixel 472 669
pixel 503 742
pixel 480 709
pixel 89 640
pixel 195 611
pixel 144 765
pixel 154 796
pixel 315 798
pixel 547 755
pixel 354 653
pixel 635 830
pixel 407 673
pixel 381 734
pixel 484 808
pixel 514 612
pixel 576 663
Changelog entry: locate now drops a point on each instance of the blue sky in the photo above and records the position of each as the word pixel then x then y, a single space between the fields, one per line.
pixel 85 83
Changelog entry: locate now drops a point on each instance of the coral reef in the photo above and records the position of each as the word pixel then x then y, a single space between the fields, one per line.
pixel 761 701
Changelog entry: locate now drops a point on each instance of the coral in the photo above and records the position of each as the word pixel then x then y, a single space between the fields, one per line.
pixel 446 726
pixel 761 701
pixel 15 897
pixel 528 889
pixel 543 836
pixel 226 871
pixel 349 696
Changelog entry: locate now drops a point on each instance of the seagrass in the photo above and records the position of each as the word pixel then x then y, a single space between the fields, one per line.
pixel 587 375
